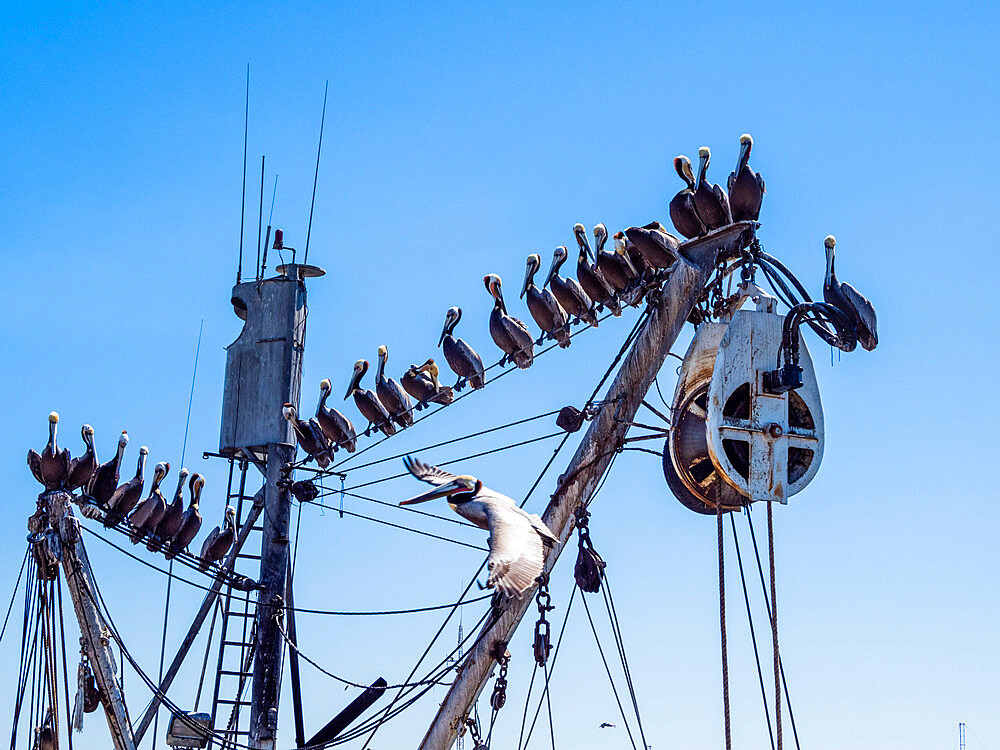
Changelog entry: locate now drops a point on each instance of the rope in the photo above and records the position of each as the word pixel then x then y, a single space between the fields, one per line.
pixel 722 619
pixel 62 640
pixel 620 642
pixel 753 635
pixel 208 647
pixel 391 611
pixel 774 624
pixel 404 528
pixel 767 603
pixel 13 595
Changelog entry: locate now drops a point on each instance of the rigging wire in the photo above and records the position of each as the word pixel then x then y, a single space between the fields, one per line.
pixel 620 643
pixel 13 595
pixel 404 528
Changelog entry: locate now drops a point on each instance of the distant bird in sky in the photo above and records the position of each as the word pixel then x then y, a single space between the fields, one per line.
pixel 516 536
pixel 606 725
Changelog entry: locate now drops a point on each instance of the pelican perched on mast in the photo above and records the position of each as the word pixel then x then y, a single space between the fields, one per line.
pixel 509 333
pixel 105 480
pixel 393 397
pixel 368 403
pixel 219 540
pixel 568 290
pixel 337 428
pixel 150 511
pixel 655 244
pixel 51 466
pixel 746 187
pixel 516 536
pixel 308 435
pixel 461 357
pixel 82 469
pixel 614 265
pixel 849 301
pixel 128 494
pixel 190 521
pixel 544 307
pixel 591 279
pixel 172 518
pixel 711 201
pixel 683 213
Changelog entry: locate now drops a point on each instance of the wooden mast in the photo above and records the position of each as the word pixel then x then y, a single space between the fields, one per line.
pixel 669 312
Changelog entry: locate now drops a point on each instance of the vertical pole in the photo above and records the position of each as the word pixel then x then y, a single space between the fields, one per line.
pixel 82 590
pixel 274 562
pixel 293 661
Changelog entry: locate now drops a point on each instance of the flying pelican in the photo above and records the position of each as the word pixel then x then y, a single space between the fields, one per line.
pixel 128 494
pixel 516 537
pixel 150 511
pixel 591 279
pixel 710 200
pixel 392 396
pixel 544 307
pixel 568 290
pixel 335 426
pixel 614 265
pixel 82 469
pixel 746 187
pixel 105 480
pixel 509 333
pixel 461 357
pixel 422 383
pixel 219 540
pixel 849 301
pixel 368 403
pixel 656 245
pixel 308 435
pixel 683 213
pixel 171 521
pixel 190 521
pixel 52 465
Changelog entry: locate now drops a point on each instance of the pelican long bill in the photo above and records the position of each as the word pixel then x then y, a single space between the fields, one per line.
pixel 443 491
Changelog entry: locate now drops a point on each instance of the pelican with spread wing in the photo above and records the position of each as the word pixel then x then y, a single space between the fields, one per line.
pixel 516 537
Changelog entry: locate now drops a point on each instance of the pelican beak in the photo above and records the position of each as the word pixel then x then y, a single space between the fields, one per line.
pixel 746 143
pixel 528 273
pixel 623 252
pixel 552 271
pixel 444 332
pixel 444 490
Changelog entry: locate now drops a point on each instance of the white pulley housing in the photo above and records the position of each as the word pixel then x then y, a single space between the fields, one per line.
pixel 767 446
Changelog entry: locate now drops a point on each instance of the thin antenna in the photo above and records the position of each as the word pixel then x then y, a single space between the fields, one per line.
pixel 267 239
pixel 243 199
pixel 170 569
pixel 319 150
pixel 260 217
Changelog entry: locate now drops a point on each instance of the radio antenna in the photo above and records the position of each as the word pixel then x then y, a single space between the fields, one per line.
pixel 260 218
pixel 267 239
pixel 319 150
pixel 243 199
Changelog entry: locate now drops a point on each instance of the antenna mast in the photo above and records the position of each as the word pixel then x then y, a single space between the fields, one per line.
pixel 319 150
pixel 243 198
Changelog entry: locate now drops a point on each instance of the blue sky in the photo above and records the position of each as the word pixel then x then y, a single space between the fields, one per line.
pixel 460 138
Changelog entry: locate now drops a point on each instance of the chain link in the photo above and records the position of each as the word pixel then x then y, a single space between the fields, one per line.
pixel 543 640
pixel 502 655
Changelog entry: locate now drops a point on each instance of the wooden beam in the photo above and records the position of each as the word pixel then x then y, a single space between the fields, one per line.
pixel 83 592
pixel 206 606
pixel 577 485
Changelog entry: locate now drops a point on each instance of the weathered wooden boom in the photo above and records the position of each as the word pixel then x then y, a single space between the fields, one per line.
pixel 669 312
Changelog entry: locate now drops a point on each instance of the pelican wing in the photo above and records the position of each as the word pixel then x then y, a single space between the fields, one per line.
pixel 426 472
pixel 515 559
pixel 864 308
pixel 206 547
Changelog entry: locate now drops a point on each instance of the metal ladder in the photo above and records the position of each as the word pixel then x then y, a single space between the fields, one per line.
pixel 239 608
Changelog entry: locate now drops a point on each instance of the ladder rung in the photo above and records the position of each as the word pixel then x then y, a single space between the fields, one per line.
pixel 234 613
pixel 235 673
pixel 247 556
pixel 236 643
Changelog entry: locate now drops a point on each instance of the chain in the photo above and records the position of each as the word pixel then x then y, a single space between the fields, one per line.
pixel 502 655
pixel 589 569
pixel 477 738
pixel 543 644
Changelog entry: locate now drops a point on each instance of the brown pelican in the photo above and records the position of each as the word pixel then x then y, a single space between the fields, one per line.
pixel 190 521
pixel 171 521
pixel 613 264
pixel 105 479
pixel 150 511
pixel 128 494
pixel 308 435
pixel 422 383
pixel 634 256
pixel 335 426
pixel 516 537
pixel 509 333
pixel 392 396
pixel 683 213
pixel 368 403
pixel 656 245
pixel 591 279
pixel 82 469
pixel 568 291
pixel 52 465
pixel 219 540
pixel 746 187
pixel 850 301
pixel 544 306
pixel 462 358
pixel 710 200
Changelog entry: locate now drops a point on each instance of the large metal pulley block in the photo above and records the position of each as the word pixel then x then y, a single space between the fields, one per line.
pixel 766 446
